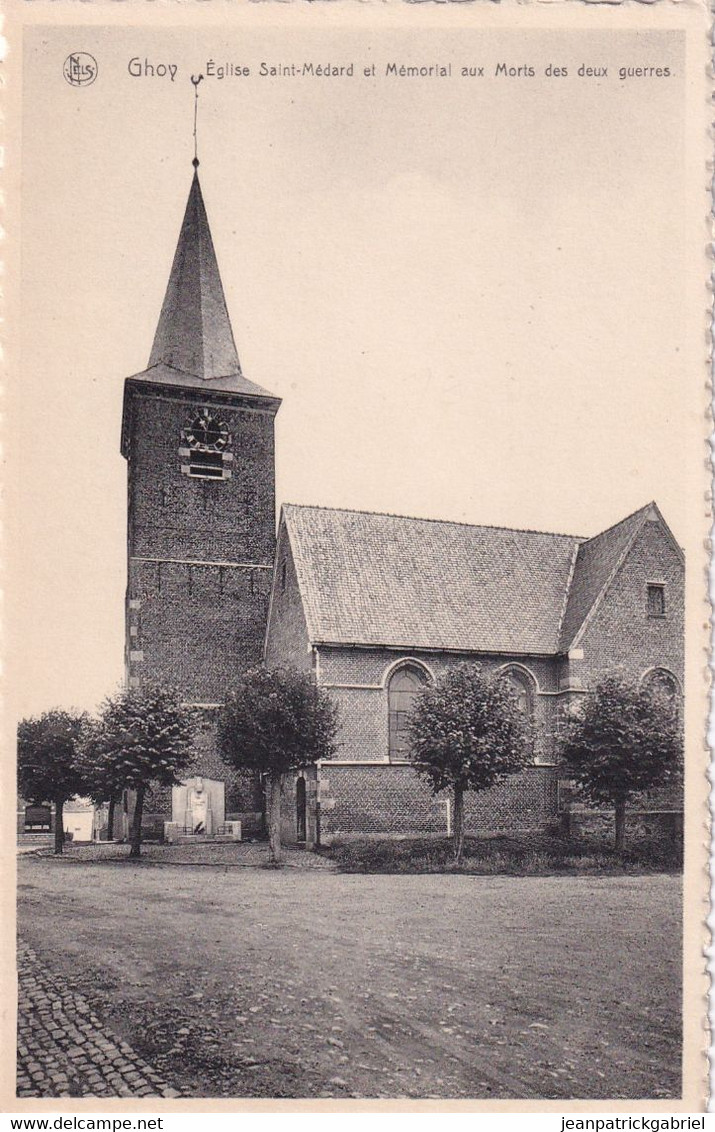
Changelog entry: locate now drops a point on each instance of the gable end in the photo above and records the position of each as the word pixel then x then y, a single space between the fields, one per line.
pixel 288 641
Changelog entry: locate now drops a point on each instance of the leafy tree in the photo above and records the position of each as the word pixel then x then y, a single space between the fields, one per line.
pixel 99 772
pixel 467 733
pixel 625 740
pixel 276 721
pixel 47 762
pixel 143 735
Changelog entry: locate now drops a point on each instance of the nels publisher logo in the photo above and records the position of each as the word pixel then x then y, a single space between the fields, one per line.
pixel 80 69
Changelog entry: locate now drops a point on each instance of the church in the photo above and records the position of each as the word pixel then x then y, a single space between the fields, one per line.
pixel 373 605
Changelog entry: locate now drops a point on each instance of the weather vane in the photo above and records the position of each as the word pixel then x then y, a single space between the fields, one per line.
pixel 196 79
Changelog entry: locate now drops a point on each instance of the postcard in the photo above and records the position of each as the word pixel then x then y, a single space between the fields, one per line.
pixel 356 419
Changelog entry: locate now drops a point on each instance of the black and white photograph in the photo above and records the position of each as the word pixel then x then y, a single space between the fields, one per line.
pixel 357 505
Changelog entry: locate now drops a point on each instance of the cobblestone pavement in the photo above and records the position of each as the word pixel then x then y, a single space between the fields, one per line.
pixel 64 1050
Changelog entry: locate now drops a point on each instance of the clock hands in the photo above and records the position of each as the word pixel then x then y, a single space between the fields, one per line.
pixel 206 432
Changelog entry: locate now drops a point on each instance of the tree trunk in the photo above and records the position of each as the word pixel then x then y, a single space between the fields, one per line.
pixel 59 826
pixel 274 817
pixel 110 818
pixel 136 830
pixel 620 824
pixel 458 832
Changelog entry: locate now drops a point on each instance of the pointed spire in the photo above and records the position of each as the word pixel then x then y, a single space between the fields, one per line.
pixel 194 333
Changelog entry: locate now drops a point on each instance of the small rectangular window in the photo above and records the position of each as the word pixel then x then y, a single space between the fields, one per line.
pixel 656 601
pixel 206 464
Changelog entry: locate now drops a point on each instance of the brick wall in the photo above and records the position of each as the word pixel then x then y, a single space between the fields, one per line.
pixel 197 626
pixel 363 723
pixel 392 799
pixel 364 710
pixel 173 515
pixel 194 626
pixel 339 664
pixel 287 637
pixel 621 634
pixel 523 801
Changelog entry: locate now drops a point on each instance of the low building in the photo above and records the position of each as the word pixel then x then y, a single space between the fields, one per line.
pixel 375 606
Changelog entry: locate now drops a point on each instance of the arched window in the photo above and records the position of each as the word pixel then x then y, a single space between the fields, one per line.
pixel 522 686
pixel 404 685
pixel 662 685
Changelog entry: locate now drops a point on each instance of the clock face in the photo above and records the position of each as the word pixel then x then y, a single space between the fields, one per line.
pixel 207 433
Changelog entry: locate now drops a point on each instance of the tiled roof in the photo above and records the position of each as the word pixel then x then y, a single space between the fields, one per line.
pixel 597 558
pixel 419 583
pixel 370 579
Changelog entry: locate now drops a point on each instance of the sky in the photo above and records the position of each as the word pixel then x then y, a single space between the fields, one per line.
pixel 468 291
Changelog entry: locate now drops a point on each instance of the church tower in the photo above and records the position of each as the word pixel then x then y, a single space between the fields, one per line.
pixel 198 438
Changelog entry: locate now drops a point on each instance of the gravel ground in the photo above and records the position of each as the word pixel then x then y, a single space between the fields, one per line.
pixel 256 983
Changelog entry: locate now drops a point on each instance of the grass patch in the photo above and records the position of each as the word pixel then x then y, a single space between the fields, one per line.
pixel 535 854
